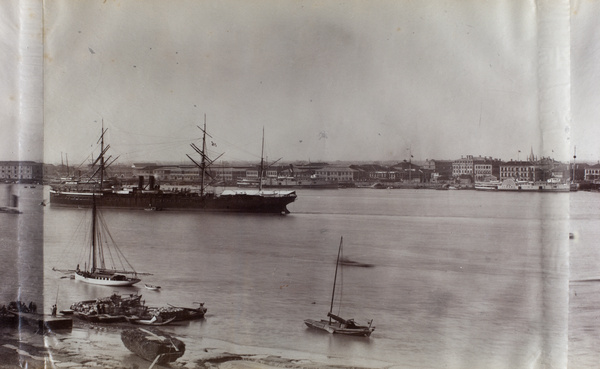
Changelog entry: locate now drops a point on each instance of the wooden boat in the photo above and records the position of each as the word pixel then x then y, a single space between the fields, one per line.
pixel 153 345
pixel 115 308
pixel 156 321
pixel 98 273
pixel 152 287
pixel 179 313
pixel 115 270
pixel 336 324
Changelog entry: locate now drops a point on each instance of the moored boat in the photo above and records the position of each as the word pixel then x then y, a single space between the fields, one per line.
pixel 551 185
pixel 336 324
pixel 154 321
pixel 116 308
pixel 487 186
pixel 98 273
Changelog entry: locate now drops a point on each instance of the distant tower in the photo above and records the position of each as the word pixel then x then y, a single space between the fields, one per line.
pixel 531 156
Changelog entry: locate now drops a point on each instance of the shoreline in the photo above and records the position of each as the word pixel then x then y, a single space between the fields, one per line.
pixel 100 346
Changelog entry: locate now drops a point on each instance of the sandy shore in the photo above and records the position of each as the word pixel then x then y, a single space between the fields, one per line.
pixel 93 346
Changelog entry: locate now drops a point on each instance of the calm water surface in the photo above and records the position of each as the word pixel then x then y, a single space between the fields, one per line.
pixel 584 296
pixel 462 279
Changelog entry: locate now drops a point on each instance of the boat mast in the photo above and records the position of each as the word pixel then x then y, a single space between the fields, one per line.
pixel 93 233
pixel 337 263
pixel 262 151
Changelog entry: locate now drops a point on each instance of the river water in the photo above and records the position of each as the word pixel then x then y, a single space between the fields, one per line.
pixel 461 279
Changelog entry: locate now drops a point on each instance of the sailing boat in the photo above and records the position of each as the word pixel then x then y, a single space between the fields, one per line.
pixel 337 324
pixel 98 273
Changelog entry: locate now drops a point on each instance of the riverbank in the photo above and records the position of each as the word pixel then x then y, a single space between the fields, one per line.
pixel 96 346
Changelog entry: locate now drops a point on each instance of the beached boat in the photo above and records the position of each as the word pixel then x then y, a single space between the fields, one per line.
pixel 336 324
pixel 83 193
pixel 153 345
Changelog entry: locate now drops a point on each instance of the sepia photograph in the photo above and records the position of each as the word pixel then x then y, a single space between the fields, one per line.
pixel 270 184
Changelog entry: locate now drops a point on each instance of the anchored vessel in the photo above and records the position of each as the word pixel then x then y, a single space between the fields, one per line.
pixel 551 185
pixel 335 323
pixel 98 273
pixel 80 194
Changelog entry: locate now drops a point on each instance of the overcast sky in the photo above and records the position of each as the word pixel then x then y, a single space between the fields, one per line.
pixel 328 80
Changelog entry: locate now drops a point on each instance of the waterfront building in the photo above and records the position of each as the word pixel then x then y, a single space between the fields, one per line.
pixel 482 170
pixel 410 172
pixel 520 170
pixel 21 171
pixel 592 173
pixel 333 173
pixel 463 166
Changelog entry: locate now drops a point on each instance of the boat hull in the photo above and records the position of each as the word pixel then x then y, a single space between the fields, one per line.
pixel 338 328
pixel 153 345
pixel 518 186
pixel 106 280
pixel 239 201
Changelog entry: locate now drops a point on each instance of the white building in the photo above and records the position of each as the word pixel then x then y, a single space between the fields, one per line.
pixel 336 173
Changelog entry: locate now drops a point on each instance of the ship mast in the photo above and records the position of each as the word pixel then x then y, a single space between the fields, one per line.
pixel 574 157
pixel 102 157
pixel 206 162
pixel 262 151
pixel 203 162
pixel 93 234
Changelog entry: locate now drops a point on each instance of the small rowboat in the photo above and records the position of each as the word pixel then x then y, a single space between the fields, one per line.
pixel 153 321
pixel 152 287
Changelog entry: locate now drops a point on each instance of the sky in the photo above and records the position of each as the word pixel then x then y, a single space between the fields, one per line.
pixel 325 80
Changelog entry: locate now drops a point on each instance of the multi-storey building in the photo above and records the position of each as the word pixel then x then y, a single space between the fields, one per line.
pixel 463 166
pixel 592 173
pixel 482 169
pixel 520 170
pixel 22 171
pixel 334 173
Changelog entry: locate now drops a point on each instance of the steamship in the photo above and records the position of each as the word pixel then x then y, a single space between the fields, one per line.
pixel 152 197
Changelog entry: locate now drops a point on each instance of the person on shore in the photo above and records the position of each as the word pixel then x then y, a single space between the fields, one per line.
pixel 54 310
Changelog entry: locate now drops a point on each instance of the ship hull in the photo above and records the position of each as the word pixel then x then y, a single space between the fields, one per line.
pixel 511 185
pixel 239 201
pixel 107 281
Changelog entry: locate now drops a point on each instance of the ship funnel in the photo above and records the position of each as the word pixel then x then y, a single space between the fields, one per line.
pixel 15 201
pixel 141 182
pixel 151 183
